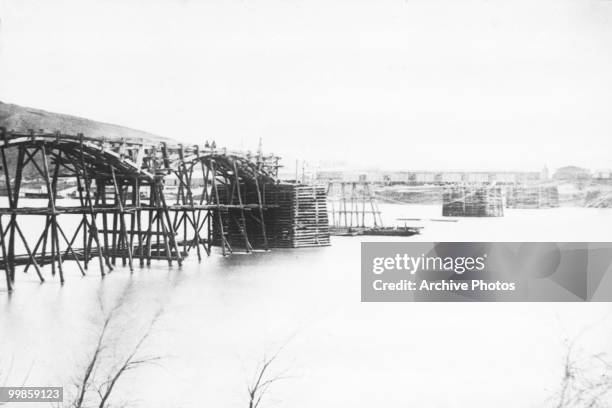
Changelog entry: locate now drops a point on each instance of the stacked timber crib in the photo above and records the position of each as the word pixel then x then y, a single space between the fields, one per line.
pixel 532 197
pixel 295 217
pixel 472 201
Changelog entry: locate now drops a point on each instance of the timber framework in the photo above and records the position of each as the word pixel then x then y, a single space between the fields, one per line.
pixel 122 211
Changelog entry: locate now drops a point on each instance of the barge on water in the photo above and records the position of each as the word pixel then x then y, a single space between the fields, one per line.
pixel 375 231
pixel 42 193
pixel 354 206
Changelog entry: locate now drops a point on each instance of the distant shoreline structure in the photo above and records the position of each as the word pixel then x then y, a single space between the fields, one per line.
pixel 567 174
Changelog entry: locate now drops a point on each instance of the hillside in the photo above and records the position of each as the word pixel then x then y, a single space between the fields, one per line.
pixel 19 118
pixel 15 117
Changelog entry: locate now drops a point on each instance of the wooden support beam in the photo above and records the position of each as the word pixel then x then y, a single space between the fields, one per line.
pixel 70 249
pixel 242 225
pixel 101 187
pixel 7 270
pixel 264 234
pixel 223 239
pixel 51 193
pixel 30 255
pixel 123 232
pixel 170 233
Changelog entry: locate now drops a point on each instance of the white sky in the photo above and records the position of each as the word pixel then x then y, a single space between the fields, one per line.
pixel 398 84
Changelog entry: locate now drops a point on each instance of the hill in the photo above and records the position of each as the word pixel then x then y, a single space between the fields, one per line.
pixel 20 118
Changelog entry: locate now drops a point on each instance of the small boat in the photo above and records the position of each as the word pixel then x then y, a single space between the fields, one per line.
pixel 34 195
pixel 393 231
pixel 345 232
pixel 42 193
pixel 401 231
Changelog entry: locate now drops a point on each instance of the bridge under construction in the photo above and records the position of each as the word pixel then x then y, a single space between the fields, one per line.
pixel 122 212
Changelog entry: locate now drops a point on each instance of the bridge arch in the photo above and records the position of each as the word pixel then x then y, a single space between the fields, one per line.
pixel 111 179
pixel 228 199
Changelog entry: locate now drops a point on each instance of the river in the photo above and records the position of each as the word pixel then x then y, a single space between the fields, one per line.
pixel 221 316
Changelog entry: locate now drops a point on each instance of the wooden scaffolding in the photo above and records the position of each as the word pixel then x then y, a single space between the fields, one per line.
pixel 353 205
pixel 123 212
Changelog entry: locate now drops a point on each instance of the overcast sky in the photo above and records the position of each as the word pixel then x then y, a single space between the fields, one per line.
pixel 398 84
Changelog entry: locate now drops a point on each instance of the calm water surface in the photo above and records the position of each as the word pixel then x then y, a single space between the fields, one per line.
pixel 221 316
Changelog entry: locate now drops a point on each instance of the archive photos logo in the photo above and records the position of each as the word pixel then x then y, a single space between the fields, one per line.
pixel 485 271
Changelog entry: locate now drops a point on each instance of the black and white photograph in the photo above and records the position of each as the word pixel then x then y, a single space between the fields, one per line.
pixel 306 203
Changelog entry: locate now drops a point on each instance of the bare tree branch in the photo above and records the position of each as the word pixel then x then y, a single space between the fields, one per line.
pixel 264 379
pixel 587 379
pixel 89 387
pixel 129 363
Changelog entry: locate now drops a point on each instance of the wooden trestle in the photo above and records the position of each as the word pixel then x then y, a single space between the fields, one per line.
pixel 123 213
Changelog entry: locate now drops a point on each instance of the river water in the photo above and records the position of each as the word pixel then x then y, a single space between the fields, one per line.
pixel 221 316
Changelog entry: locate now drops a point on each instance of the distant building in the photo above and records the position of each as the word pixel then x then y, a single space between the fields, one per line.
pixel 476 178
pixel 451 177
pixel 173 181
pixel 505 178
pixel 572 174
pixel 424 177
pixel 330 175
pixel 431 177
pixel 397 177
pixel 544 175
pixel 603 175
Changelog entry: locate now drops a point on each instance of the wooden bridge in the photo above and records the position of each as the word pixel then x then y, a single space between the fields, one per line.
pixel 122 210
